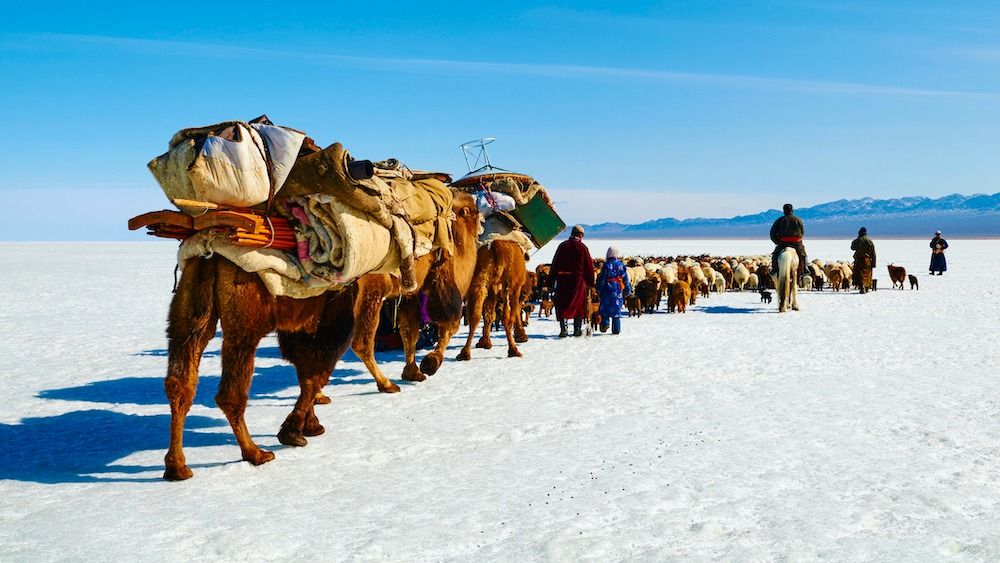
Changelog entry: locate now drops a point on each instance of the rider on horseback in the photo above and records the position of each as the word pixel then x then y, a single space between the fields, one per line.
pixel 787 232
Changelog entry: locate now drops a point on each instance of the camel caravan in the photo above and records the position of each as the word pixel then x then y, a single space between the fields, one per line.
pixel 280 235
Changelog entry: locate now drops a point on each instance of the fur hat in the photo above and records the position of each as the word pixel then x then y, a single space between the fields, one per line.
pixel 787 208
pixel 862 231
pixel 613 252
pixel 577 230
pixel 937 232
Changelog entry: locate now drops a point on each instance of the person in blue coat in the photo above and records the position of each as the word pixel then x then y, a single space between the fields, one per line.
pixel 612 286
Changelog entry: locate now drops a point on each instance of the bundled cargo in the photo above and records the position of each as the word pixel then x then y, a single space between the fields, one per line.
pixel 515 207
pixel 328 217
pixel 233 163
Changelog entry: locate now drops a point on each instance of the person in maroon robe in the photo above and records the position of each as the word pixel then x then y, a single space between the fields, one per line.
pixel 573 272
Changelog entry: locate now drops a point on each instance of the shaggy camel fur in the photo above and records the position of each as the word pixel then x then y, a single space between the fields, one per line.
pixel 680 294
pixel 312 334
pixel 443 278
pixel 501 271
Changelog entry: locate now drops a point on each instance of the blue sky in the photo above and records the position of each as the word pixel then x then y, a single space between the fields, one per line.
pixel 630 113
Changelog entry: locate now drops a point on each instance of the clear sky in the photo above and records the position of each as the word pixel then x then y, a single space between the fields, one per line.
pixel 626 111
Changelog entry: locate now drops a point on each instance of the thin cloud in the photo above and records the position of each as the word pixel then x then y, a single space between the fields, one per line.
pixel 215 51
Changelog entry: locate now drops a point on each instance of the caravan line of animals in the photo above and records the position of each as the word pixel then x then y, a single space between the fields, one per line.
pixel 682 280
pixel 278 235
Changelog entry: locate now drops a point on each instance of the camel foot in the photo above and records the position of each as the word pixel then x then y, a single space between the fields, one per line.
pixel 412 373
pixel 260 457
pixel 430 364
pixel 313 429
pixel 290 437
pixel 180 473
pixel 464 355
pixel 520 338
pixel 321 399
pixel 514 353
pixel 390 388
pixel 484 344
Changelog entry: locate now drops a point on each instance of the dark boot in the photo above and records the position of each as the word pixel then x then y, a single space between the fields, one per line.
pixel 577 326
pixel 616 325
pixel 562 328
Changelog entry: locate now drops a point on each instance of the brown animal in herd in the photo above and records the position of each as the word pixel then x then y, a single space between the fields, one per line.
pixel 594 309
pixel 545 304
pixel 835 278
pixel 501 272
pixel 633 306
pixel 313 334
pixel 914 284
pixel 680 295
pixel 897 274
pixel 702 290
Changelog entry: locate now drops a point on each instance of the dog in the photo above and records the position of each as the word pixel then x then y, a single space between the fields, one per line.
pixel 914 284
pixel 545 304
pixel 765 296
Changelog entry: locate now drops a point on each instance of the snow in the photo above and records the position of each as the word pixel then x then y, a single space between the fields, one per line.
pixel 864 427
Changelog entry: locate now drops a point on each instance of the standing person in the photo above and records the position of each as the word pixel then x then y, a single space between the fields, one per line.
pixel 572 273
pixel 787 231
pixel 864 259
pixel 613 286
pixel 938 262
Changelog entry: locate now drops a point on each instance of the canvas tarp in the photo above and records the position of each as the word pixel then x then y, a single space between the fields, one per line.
pixel 233 163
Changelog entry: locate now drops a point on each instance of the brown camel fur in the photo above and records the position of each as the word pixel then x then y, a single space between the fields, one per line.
pixel 312 334
pixel 443 278
pixel 501 272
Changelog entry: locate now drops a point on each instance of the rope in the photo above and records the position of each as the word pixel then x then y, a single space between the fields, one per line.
pixel 270 227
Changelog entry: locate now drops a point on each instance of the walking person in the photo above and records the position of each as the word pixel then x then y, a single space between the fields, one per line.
pixel 572 273
pixel 938 262
pixel 864 260
pixel 787 231
pixel 612 285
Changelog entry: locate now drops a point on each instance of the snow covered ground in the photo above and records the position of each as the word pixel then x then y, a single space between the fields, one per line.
pixel 864 427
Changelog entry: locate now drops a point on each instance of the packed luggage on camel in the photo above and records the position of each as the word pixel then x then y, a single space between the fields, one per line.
pixel 278 234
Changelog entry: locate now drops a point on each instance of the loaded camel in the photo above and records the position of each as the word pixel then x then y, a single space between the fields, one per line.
pixel 313 334
pixel 501 272
pixel 443 278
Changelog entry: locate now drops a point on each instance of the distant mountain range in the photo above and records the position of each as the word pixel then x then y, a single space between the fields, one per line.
pixel 954 215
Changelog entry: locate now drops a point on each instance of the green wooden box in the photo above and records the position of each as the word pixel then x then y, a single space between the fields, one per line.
pixel 539 220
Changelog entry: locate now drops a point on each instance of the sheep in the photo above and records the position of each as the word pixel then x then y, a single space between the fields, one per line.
pixel 741 275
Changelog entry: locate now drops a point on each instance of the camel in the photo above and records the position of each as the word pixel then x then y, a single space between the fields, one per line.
pixel 443 278
pixel 785 284
pixel 313 334
pixel 500 274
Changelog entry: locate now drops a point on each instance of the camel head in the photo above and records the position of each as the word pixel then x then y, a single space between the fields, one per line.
pixel 466 224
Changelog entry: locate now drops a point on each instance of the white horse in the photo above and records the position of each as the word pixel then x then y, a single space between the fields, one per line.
pixel 784 282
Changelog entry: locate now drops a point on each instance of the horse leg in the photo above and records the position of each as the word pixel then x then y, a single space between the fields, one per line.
pixel 367 307
pixel 191 325
pixel 409 332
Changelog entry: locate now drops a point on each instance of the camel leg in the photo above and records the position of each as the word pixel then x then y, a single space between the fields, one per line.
pixel 489 317
pixel 409 331
pixel 432 362
pixel 191 326
pixel 247 312
pixel 367 307
pixel 510 320
pixel 315 356
pixel 474 313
